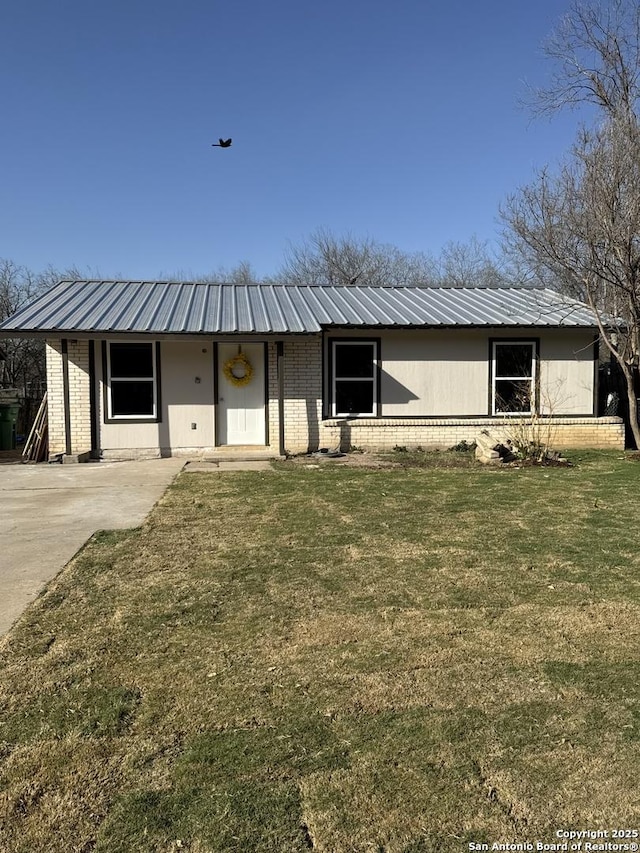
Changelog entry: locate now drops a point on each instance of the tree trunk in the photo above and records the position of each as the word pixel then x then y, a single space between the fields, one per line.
pixel 633 402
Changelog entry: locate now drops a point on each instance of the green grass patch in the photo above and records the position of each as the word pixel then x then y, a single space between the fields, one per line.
pixel 87 711
pixel 339 659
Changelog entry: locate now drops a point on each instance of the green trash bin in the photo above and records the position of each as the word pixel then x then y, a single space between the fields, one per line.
pixel 8 418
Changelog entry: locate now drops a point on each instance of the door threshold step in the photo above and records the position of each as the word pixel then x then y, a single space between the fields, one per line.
pixel 229 465
pixel 241 456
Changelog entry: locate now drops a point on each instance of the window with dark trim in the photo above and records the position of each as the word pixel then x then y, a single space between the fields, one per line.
pixel 354 379
pixel 514 377
pixel 132 381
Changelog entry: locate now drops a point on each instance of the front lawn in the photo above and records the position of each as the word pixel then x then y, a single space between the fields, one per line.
pixel 336 659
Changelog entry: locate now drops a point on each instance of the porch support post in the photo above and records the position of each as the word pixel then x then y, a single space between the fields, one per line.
pixel 596 375
pixel 93 400
pixel 66 396
pixel 280 372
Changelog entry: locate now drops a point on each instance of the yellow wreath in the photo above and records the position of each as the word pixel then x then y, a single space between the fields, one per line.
pixel 244 367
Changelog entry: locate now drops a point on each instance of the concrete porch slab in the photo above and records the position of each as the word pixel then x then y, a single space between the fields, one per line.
pixel 229 465
pixel 239 454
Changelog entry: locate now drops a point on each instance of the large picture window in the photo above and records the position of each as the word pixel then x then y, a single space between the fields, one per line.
pixel 132 381
pixel 354 378
pixel 514 377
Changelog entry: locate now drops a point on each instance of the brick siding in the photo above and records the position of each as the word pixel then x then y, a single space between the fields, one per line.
pixel 305 430
pixel 78 359
pixel 302 393
pixel 387 433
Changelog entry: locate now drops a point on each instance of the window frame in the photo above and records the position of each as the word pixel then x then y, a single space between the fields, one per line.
pixel 374 343
pixel 137 418
pixel 534 344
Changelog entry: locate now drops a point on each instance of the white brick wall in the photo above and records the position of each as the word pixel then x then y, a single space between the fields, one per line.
pixel 55 399
pixel 302 393
pixel 304 428
pixel 387 433
pixel 79 404
pixel 272 413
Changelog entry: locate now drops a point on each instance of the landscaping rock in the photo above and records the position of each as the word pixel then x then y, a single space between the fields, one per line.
pixel 494 448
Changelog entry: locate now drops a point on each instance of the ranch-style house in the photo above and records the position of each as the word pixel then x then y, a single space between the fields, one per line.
pixel 147 368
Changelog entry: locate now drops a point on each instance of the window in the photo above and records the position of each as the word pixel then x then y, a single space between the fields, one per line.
pixel 514 377
pixel 354 378
pixel 132 381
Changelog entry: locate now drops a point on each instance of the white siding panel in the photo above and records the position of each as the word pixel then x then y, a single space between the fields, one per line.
pixel 446 372
pixel 434 373
pixel 567 372
pixel 184 401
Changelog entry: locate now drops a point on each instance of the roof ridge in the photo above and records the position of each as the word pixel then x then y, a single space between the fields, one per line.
pixel 341 285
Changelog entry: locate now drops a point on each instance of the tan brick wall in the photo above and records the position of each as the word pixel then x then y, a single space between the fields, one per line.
pixel 79 403
pixel 302 393
pixel 387 433
pixel 55 398
pixel 304 428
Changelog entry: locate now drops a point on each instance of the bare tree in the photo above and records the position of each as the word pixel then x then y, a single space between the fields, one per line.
pixel 582 223
pixel 24 363
pixel 595 56
pixel 242 273
pixel 330 260
pixel 469 264
pixel 24 367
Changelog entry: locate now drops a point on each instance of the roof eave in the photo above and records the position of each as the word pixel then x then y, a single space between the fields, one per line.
pixel 92 334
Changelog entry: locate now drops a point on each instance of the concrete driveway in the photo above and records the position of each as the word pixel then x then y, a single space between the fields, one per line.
pixel 47 512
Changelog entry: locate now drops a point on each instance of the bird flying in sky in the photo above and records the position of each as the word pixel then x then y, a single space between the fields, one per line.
pixel 221 143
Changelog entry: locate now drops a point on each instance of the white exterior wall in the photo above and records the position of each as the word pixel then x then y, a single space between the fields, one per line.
pixel 446 372
pixel 183 401
pixel 302 393
pixel 435 390
pixel 55 399
pixel 425 373
pixel 78 365
pixel 442 433
pixel 434 386
pixel 273 421
pixel 567 373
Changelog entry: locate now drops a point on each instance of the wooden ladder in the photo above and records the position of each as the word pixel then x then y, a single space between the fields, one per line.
pixel 36 445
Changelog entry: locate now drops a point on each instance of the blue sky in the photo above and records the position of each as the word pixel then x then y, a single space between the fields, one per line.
pixel 399 121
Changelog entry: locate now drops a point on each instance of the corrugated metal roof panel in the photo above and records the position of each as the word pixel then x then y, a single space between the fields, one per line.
pixel 420 307
pixel 184 308
pixel 275 316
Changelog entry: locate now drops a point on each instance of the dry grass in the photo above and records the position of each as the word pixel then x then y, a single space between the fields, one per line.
pixel 335 659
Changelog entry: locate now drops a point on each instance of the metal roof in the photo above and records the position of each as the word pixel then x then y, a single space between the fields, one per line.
pixel 160 307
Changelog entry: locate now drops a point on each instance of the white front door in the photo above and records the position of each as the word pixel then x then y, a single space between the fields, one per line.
pixel 241 407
